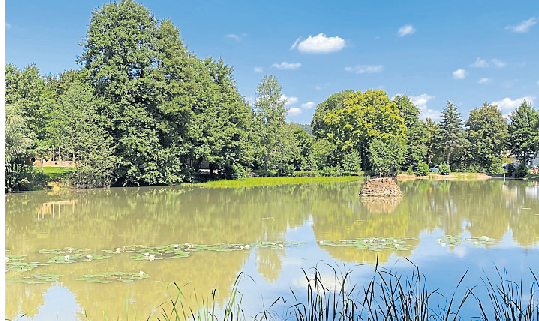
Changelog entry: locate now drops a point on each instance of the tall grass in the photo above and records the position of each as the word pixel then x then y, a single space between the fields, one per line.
pixel 387 296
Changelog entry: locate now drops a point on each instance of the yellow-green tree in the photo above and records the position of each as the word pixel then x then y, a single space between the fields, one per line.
pixel 365 118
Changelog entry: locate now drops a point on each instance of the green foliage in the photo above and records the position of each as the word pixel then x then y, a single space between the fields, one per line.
pixel 524 132
pixel 521 170
pixel 444 169
pixel 496 166
pixel 450 134
pixel 351 163
pixel 331 104
pixel 510 169
pixel 278 149
pixel 363 118
pixel 386 155
pixel 422 169
pixel 18 143
pixel 487 135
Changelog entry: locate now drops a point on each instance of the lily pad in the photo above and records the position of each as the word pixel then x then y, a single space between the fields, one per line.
pixel 15 263
pixel 126 249
pixel 371 243
pixel 479 241
pixel 151 256
pixel 450 240
pixel 109 277
pixel 77 258
pixel 36 278
pixel 67 250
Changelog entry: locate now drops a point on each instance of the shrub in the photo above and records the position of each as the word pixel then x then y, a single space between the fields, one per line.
pixel 422 169
pixel 410 170
pixel 444 169
pixel 521 170
pixel 510 169
pixel 496 167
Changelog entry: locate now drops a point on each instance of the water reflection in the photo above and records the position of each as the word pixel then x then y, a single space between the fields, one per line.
pixel 105 219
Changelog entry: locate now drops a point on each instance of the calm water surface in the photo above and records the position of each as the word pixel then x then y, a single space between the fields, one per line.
pixel 98 220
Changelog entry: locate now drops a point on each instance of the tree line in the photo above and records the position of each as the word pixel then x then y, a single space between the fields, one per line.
pixel 143 110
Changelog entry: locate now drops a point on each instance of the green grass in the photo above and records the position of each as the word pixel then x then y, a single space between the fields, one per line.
pixel 55 172
pixel 274 181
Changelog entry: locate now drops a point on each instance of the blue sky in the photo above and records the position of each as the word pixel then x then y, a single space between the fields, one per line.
pixel 468 52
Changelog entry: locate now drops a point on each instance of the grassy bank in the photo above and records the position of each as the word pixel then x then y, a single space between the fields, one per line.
pixel 274 181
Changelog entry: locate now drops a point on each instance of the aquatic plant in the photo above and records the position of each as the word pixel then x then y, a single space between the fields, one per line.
pixel 77 258
pixel 36 278
pixel 108 277
pixel 371 243
pixel 66 250
pixel 126 249
pixel 15 263
pixel 449 240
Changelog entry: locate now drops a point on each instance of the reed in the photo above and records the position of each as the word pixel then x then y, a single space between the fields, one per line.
pixel 387 296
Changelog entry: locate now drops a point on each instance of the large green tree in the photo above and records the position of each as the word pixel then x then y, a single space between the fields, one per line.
pixel 523 132
pixel 364 118
pixel 276 147
pixel 487 134
pixel 331 104
pixel 417 133
pixel 450 131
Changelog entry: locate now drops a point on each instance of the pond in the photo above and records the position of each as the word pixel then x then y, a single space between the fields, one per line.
pixel 87 254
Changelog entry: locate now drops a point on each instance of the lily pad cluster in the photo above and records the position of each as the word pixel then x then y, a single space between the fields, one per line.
pixel 449 240
pixel 73 258
pixel 482 240
pixel 15 263
pixel 67 250
pixel 109 277
pixel 371 243
pixel 126 249
pixel 36 278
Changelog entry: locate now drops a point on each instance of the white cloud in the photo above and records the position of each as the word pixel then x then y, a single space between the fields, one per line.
pixel 479 63
pixel 538 82
pixel 295 43
pixel 459 74
pixel 320 44
pixel 364 69
pixel 507 103
pixel 259 69
pixel 233 36
pixel 8 26
pixel 406 30
pixel 294 111
pixel 289 100
pixel 308 105
pixel 498 63
pixel 484 81
pixel 524 26
pixel 421 101
pixel 286 65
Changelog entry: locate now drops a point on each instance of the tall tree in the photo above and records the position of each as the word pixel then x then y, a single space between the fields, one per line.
pixel 417 135
pixel 271 113
pixel 487 133
pixel 523 132
pixel 451 133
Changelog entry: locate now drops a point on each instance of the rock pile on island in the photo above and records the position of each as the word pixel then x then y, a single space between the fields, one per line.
pixel 381 187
